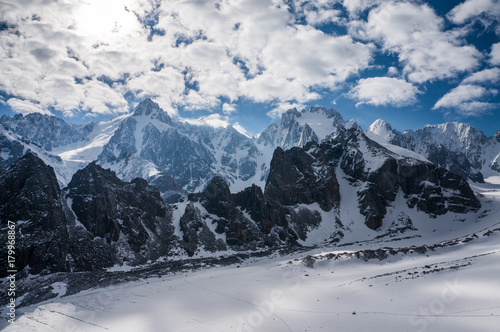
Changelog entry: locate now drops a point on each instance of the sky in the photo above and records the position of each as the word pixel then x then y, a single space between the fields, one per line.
pixel 245 62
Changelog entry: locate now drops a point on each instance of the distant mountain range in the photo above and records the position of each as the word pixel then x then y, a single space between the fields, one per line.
pixel 148 143
pixel 145 186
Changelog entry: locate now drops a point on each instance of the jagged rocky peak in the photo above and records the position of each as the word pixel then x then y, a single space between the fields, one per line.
pixel 22 186
pixel 268 136
pixel 149 108
pixel 46 131
pixel 128 220
pixel 329 113
pixel 30 197
pixel 297 177
pixel 351 124
pixel 217 198
pixel 311 175
pixel 298 128
pixel 289 116
pixel 110 197
pixel 457 147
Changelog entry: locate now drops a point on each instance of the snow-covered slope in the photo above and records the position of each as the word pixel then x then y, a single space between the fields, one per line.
pixel 65 147
pixel 450 277
pixel 13 147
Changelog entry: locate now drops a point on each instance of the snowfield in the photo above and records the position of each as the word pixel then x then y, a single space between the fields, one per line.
pixel 444 280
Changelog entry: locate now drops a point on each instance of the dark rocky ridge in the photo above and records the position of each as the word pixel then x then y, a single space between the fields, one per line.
pixel 109 221
pixel 294 178
pixel 130 217
pixel 99 220
pixel 30 197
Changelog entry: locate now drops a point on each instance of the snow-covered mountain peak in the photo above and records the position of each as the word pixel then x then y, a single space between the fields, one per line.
pixel 350 124
pixel 380 131
pixel 152 110
pixel 328 112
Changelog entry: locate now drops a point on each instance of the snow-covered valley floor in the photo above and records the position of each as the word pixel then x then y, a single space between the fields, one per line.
pixel 454 287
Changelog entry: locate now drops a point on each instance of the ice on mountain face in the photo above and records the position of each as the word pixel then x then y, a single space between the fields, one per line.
pixel 321 120
pixel 88 149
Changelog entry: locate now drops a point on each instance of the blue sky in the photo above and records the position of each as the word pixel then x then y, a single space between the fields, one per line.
pixel 244 63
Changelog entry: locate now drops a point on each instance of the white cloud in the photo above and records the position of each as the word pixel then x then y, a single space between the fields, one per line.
pixel 228 108
pixel 83 57
pixel 322 16
pixel 26 107
pixel 281 108
pixel 381 91
pixel 491 75
pixel 316 12
pixel 212 120
pixel 392 71
pixel 354 7
pixel 466 99
pixel 415 33
pixel 473 8
pixel 495 54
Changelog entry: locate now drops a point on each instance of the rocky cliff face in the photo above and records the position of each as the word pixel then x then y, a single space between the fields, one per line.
pixel 304 192
pixel 311 175
pixel 30 197
pixel 96 222
pixel 457 147
pixel 299 177
pixel 131 218
pixel 11 149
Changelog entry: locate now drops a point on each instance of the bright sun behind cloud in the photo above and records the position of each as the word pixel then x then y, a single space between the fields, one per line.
pixel 105 20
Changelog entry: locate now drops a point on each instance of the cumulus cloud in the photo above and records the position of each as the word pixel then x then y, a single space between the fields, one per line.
pixel 415 33
pixel 213 120
pixel 228 108
pixel 471 9
pixel 26 107
pixel 84 57
pixel 382 91
pixel 281 108
pixel 355 7
pixel 392 71
pixel 491 75
pixel 495 54
pixel 467 99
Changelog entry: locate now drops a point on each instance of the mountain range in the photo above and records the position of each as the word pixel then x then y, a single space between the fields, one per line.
pixel 145 186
